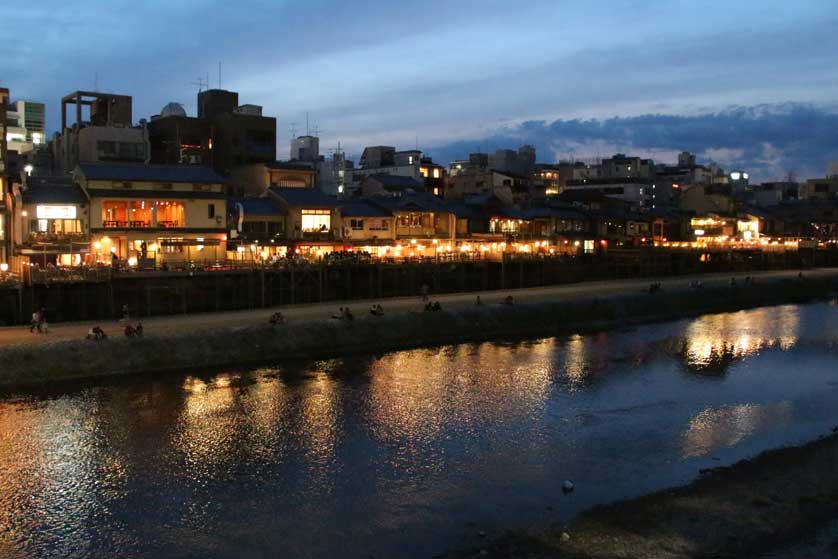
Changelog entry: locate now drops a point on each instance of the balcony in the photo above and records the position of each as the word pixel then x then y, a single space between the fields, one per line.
pixel 318 235
pixel 55 243
pixel 110 224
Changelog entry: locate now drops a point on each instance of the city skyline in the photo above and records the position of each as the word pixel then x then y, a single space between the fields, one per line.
pixel 747 85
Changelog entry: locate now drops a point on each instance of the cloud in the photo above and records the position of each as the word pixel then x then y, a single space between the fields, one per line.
pixel 766 140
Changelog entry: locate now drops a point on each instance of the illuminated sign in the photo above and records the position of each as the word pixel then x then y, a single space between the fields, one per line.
pixel 56 212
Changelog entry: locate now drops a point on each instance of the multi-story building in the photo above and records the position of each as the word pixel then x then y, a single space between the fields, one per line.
pixel 621 166
pixel 4 221
pixel 385 160
pixel 178 139
pixel 26 126
pixel 820 189
pixel 240 133
pixel 51 222
pixel 305 148
pixel 107 136
pixel 154 214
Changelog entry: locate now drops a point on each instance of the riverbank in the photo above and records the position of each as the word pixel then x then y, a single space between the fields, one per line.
pixel 744 510
pixel 205 345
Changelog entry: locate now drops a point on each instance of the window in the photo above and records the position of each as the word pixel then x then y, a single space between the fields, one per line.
pixel 114 214
pixel 165 186
pixel 170 214
pixel 2 228
pixel 316 220
pixel 211 211
pixel 423 171
pixel 377 225
pixel 127 185
pixel 106 149
pixel 437 173
pixel 356 224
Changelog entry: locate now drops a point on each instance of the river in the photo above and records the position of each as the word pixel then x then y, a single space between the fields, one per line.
pixel 404 454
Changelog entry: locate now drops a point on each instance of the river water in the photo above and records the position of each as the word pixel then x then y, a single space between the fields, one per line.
pixel 404 454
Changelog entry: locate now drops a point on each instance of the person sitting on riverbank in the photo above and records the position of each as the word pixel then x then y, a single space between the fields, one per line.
pixel 434 306
pixel 655 287
pixel 339 314
pixel 277 318
pixel 508 300
pixel 377 310
pixel 478 302
pixel 36 322
pixel 96 334
pixel 347 314
pixel 696 284
pixel 134 331
pixel 732 282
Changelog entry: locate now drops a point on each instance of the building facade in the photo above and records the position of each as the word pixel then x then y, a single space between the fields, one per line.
pixel 154 215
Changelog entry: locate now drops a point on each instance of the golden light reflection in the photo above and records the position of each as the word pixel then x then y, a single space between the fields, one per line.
pixel 716 428
pixel 711 343
pixel 462 385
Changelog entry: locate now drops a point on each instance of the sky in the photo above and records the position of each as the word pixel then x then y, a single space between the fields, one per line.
pixel 750 84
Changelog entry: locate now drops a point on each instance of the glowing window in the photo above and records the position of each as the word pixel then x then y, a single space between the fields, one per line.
pixel 316 220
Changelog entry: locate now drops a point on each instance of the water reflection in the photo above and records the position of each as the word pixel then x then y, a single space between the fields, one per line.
pixel 712 343
pixel 398 451
pixel 726 426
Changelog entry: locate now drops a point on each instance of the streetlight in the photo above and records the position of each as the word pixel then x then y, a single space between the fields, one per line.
pixel 29 168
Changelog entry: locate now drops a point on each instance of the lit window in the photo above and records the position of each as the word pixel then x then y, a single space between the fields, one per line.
pixel 436 173
pixel 316 220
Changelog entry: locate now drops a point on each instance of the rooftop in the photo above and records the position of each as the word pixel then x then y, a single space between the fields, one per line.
pixel 150 173
pixel 309 197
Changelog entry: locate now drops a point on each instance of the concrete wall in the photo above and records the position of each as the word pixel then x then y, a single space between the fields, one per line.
pixel 262 343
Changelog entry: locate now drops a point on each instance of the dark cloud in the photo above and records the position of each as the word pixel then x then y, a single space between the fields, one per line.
pixel 767 140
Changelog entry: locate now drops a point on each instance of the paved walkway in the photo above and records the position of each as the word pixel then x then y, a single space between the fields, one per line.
pixel 14 335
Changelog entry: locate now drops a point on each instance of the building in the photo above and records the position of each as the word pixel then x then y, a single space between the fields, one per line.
pixel 367 225
pixel 820 189
pixel 520 162
pixel 257 229
pixel 254 179
pixel 305 148
pixel 4 220
pixel 26 126
pixel 178 139
pixel 385 160
pixel 638 191
pixel 389 185
pixel 240 134
pixel 832 169
pixel 154 215
pixel 621 166
pixel 51 224
pixel 108 134
pixel 312 223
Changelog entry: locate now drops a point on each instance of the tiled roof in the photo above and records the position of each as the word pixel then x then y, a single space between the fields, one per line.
pixel 362 208
pixel 310 197
pixel 151 173
pixel 255 206
pixel 160 194
pixel 396 182
pixel 52 190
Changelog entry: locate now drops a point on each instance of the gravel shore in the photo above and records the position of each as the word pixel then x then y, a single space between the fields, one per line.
pixel 748 509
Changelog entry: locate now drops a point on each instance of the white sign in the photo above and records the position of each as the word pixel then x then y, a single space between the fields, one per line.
pixel 56 212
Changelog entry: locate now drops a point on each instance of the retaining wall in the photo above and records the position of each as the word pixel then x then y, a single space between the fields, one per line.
pixel 264 344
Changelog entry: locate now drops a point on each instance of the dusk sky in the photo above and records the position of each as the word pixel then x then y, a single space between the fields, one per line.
pixel 750 84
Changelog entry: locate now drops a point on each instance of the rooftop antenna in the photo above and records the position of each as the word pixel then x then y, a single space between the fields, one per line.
pixel 293 130
pixel 316 131
pixel 307 131
pixel 201 83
